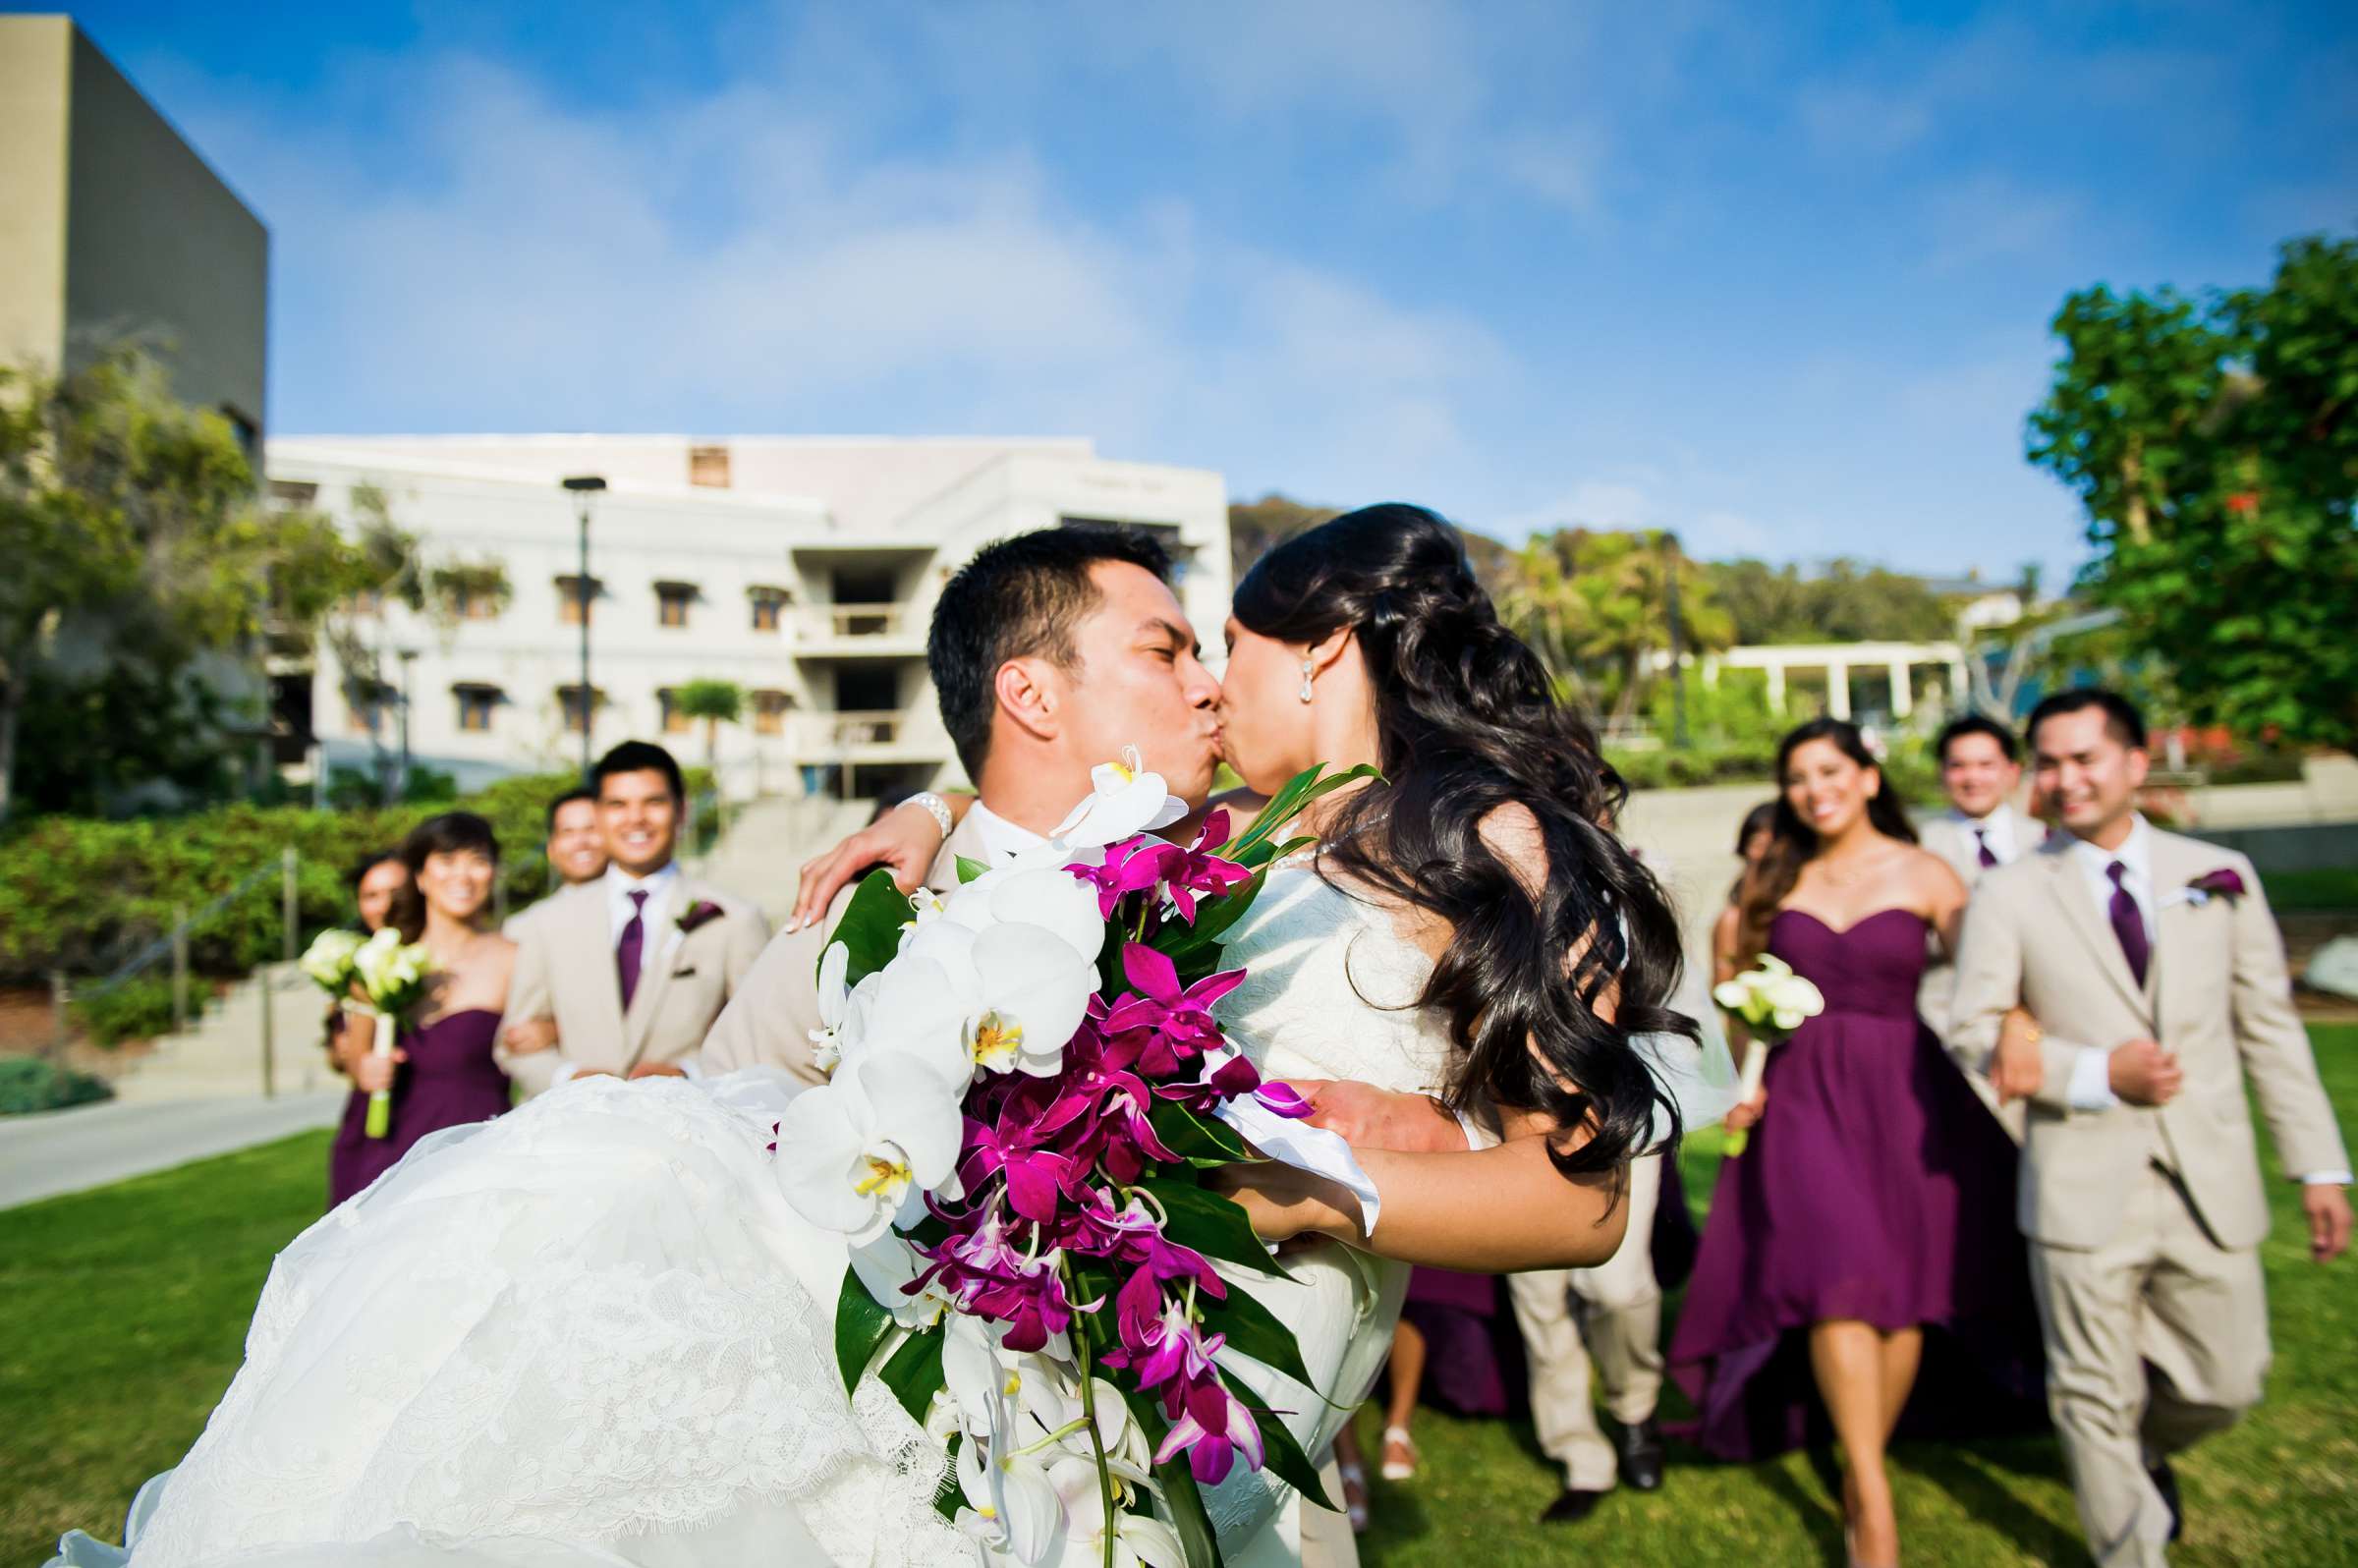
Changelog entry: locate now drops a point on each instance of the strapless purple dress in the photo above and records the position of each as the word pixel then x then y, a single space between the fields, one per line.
pixel 1876 1187
pixel 449 1080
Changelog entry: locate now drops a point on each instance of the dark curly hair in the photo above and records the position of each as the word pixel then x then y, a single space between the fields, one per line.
pixel 1468 722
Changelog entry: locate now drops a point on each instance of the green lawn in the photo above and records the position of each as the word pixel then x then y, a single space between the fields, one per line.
pixel 2329 889
pixel 122 1312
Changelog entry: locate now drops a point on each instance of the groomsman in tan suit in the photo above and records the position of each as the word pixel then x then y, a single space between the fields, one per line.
pixel 2152 965
pixel 1981 773
pixel 630 969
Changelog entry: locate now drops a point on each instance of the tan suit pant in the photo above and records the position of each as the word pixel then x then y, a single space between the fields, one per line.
pixel 2162 1293
pixel 1620 1308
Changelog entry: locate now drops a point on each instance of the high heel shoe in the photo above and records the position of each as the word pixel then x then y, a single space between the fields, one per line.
pixel 1399 1469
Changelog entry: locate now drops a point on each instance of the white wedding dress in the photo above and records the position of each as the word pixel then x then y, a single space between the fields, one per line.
pixel 592 1331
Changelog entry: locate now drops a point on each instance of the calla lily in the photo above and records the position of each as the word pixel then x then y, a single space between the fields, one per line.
pixel 1124 799
pixel 858 1153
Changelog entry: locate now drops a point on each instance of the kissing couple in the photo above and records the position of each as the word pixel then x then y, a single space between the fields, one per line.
pixel 593 1331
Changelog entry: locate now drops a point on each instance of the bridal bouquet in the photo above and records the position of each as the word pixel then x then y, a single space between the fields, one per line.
pixel 1027 1087
pixel 1771 1002
pixel 393 977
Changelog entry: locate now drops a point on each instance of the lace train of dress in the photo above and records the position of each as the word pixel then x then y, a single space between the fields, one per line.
pixel 589 1332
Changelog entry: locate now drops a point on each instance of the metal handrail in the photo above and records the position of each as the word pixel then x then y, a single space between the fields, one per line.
pixel 182 929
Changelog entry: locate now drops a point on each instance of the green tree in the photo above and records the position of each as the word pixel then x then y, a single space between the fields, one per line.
pixel 2214 443
pixel 135 533
pixel 1596 605
pixel 1845 602
pixel 717 702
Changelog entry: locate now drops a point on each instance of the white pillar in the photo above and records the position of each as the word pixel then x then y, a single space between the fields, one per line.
pixel 1903 698
pixel 1960 690
pixel 1777 686
pixel 1837 689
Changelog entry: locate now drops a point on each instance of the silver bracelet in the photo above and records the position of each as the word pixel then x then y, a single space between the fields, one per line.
pixel 936 808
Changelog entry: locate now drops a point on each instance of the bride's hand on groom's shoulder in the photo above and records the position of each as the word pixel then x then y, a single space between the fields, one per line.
pixel 1367 1117
pixel 904 842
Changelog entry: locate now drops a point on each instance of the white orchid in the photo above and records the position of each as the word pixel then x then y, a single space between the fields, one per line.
pixel 1140 1540
pixel 827 1042
pixel 1002 977
pixel 858 1153
pixel 1011 1505
pixel 884 1267
pixel 1123 801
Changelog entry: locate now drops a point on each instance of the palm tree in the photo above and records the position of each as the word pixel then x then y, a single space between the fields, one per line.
pixel 717 702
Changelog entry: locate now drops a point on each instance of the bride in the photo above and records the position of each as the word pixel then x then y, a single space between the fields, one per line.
pixel 593 1332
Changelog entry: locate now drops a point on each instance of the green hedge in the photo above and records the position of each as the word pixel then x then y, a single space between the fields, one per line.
pixel 83 896
pixel 138 1008
pixel 28 1083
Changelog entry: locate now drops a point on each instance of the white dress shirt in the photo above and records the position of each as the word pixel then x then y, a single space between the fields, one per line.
pixel 660 930
pixel 1996 830
pixel 2091 1086
pixel 1001 839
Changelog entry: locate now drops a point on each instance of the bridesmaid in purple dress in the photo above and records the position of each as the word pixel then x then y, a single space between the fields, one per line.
pixel 1875 1199
pixel 441 1072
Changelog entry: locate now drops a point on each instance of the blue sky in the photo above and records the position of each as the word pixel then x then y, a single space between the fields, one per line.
pixel 1777 276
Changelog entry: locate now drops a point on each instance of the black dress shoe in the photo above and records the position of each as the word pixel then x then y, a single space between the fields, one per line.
pixel 1572 1507
pixel 2166 1481
pixel 1639 1448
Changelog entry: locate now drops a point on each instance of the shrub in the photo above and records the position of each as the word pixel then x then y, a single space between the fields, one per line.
pixel 138 1008
pixel 28 1083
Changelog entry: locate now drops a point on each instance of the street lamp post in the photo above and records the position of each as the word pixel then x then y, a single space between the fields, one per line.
pixel 401 780
pixel 1678 682
pixel 584 486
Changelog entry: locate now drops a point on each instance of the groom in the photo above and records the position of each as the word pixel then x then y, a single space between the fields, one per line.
pixel 2157 972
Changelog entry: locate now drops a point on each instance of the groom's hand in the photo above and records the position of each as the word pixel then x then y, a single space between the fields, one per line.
pixel 2143 1074
pixel 1367 1117
pixel 2327 1209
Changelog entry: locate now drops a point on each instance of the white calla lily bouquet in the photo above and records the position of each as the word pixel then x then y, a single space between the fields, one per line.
pixel 393 976
pixel 1771 1002
pixel 1027 1086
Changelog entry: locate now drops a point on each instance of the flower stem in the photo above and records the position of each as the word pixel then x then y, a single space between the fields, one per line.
pixel 1089 1413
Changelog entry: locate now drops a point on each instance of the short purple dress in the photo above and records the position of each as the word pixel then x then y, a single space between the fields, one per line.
pixel 1876 1187
pixel 449 1080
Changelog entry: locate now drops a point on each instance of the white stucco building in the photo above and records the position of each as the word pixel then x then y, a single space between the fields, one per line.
pixel 801 570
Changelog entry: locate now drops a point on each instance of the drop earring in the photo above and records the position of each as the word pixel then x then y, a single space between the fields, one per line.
pixel 1306 680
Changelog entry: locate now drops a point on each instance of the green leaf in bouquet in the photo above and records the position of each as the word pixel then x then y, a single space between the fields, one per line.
pixel 913 1374
pixel 1198 1140
pixel 1286 804
pixel 948 1498
pixel 1180 1498
pixel 861 1324
pixel 969 870
pixel 1210 1223
pixel 871 925
pixel 1213 917
pixel 1282 1455
pixel 1254 1330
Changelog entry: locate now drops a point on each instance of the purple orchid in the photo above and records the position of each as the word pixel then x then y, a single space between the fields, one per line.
pixel 1133 866
pixel 1172 1026
pixel 1195 872
pixel 1213 1428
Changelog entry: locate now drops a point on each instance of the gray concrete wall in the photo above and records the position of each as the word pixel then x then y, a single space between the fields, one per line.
pixel 2306 847
pixel 157 243
pixel 34 56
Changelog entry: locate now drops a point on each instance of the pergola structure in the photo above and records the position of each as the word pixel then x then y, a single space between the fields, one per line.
pixel 1898 663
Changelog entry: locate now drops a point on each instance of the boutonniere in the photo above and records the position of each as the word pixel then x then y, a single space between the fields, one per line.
pixel 701 912
pixel 2224 882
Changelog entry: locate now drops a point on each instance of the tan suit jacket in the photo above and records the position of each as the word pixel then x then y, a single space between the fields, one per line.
pixel 2215 993
pixel 1935 998
pixel 1950 839
pixel 564 971
pixel 770 1021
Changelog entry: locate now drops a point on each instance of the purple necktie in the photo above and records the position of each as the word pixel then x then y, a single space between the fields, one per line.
pixel 634 938
pixel 1987 855
pixel 2127 924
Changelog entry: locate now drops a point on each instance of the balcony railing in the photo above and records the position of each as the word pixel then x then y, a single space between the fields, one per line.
pixel 849 731
pixel 852 622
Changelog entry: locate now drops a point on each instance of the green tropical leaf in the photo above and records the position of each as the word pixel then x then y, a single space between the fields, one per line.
pixel 860 1324
pixel 1254 1330
pixel 913 1374
pixel 1282 1455
pixel 871 925
pixel 1210 1223
pixel 969 870
pixel 1198 1140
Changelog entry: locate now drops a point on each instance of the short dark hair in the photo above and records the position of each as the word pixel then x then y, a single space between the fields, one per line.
pixel 580 792
pixel 1019 597
pixel 638 756
pixel 2122 721
pixel 1977 724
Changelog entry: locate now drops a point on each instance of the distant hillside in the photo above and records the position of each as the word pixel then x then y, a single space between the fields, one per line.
pixel 1255 525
